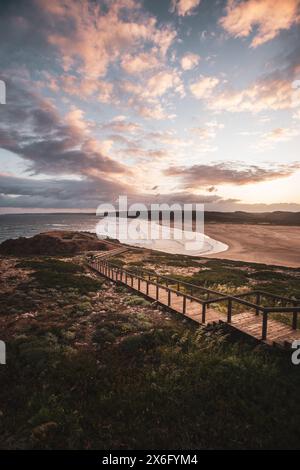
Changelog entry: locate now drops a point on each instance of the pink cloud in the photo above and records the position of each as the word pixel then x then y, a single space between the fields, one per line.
pixel 184 7
pixel 269 17
pixel 262 95
pixel 90 38
pixel 134 64
pixel 189 61
pixel 204 87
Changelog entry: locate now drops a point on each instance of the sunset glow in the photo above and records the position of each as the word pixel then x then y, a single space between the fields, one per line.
pixel 182 100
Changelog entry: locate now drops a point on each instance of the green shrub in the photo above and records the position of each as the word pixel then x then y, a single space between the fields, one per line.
pixel 103 335
pixel 52 265
pixel 136 300
pixel 143 341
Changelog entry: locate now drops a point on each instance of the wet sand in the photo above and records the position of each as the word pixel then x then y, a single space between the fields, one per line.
pixel 269 244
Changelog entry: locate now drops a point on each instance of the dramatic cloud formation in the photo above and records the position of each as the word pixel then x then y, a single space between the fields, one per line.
pixel 99 36
pixel 269 17
pixel 229 173
pixel 49 193
pixel 107 97
pixel 31 127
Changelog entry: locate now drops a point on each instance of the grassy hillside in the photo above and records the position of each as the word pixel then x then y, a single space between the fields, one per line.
pixel 91 365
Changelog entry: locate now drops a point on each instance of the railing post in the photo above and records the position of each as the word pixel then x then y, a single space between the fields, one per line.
pixel 258 303
pixel 178 286
pixel 203 313
pixel 139 283
pixel 184 305
pixel 131 280
pixel 169 298
pixel 295 319
pixel 229 311
pixel 264 325
pixel 157 287
pixel 147 287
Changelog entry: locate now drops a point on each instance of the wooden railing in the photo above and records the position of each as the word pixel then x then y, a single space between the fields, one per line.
pixel 119 274
pixel 181 285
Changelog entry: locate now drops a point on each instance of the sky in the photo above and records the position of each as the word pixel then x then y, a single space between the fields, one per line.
pixel 187 101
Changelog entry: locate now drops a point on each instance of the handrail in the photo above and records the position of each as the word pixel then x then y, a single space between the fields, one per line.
pixel 278 297
pixel 246 303
pixel 177 281
pixel 216 300
pixel 177 292
pixel 282 309
pixel 268 294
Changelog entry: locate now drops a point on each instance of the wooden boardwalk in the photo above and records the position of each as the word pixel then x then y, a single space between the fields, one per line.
pixel 251 319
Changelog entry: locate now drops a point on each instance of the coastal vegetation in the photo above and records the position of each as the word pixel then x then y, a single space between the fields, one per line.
pixel 91 365
pixel 223 275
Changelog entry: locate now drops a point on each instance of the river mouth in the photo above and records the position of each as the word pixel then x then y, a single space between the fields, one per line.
pixel 154 236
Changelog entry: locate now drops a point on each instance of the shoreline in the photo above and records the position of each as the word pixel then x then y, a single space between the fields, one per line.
pixel 265 244
pixel 164 239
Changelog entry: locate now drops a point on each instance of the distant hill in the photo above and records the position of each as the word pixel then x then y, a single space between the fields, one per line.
pixel 240 217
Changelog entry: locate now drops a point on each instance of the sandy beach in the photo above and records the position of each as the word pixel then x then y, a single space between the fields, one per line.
pixel 269 244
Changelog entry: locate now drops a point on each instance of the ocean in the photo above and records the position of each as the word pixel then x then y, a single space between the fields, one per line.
pixel 27 225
